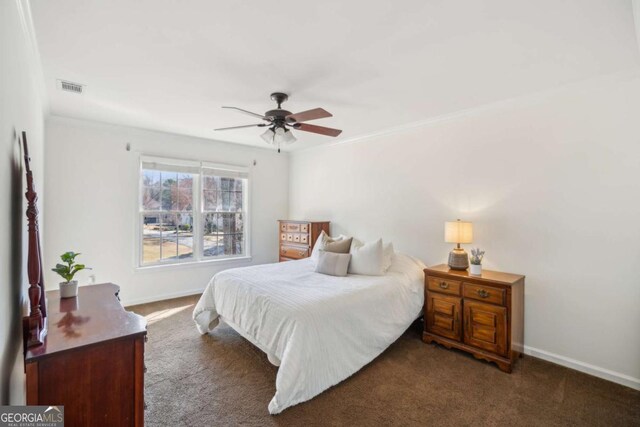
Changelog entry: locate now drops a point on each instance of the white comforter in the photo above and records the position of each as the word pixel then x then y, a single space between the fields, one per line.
pixel 320 329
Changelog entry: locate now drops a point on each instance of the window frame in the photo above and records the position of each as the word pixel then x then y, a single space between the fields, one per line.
pixel 198 213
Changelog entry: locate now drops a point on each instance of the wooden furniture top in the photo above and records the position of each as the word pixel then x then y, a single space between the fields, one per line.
pixel 94 316
pixel 296 221
pixel 487 275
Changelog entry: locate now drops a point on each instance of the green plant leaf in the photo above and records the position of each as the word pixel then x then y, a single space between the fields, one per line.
pixel 70 268
pixel 78 267
pixel 69 257
pixel 61 269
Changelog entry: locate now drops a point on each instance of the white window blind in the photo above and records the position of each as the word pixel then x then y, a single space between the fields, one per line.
pixel 183 167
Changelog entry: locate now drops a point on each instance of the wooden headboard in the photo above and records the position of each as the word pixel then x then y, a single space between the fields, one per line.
pixel 34 326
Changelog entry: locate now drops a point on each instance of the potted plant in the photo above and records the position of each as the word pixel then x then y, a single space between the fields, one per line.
pixel 69 288
pixel 476 262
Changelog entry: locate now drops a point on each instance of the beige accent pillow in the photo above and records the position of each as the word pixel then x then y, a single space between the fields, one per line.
pixel 339 246
pixel 333 264
pixel 322 240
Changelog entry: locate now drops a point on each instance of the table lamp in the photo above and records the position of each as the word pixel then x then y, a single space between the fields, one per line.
pixel 458 232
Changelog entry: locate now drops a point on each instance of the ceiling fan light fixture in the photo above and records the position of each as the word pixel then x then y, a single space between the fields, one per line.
pixel 277 134
pixel 286 137
pixel 268 136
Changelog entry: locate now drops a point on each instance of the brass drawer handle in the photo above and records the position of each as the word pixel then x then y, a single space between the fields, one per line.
pixel 302 253
pixel 444 285
pixel 482 293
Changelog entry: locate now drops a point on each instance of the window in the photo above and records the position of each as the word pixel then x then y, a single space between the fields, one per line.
pixel 191 211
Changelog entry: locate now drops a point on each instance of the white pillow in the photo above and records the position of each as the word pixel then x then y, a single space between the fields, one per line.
pixel 367 259
pixel 387 248
pixel 389 255
pixel 323 239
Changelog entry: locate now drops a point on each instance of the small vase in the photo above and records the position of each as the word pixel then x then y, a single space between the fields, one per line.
pixel 475 269
pixel 69 289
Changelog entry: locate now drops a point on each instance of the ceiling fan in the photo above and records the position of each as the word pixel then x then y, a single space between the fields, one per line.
pixel 280 122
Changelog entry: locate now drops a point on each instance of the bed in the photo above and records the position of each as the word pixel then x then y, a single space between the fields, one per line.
pixel 318 329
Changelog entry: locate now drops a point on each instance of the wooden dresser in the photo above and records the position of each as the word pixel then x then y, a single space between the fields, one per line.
pixel 298 237
pixel 483 315
pixel 92 361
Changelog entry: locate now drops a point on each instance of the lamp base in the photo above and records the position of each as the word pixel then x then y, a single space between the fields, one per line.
pixel 458 259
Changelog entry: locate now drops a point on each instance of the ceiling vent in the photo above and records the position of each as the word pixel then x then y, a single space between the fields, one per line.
pixel 70 86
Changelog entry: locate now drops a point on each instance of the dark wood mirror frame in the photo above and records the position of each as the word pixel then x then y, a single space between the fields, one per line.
pixel 34 326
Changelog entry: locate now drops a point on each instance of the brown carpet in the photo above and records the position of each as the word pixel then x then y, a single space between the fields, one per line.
pixel 222 380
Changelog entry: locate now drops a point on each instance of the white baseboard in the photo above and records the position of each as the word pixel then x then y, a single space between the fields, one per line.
pixel 161 297
pixel 596 371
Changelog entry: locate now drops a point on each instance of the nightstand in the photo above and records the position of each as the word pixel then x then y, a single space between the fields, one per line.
pixel 482 315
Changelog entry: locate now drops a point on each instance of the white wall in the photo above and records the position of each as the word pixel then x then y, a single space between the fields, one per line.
pixel 92 185
pixel 21 109
pixel 552 184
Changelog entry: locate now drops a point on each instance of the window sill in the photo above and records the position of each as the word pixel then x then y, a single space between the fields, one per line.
pixel 191 264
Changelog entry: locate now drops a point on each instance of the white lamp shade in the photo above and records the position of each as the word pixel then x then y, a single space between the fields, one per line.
pixel 279 136
pixel 268 136
pixel 288 138
pixel 458 232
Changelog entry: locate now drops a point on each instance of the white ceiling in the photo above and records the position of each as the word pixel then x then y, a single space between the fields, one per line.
pixel 170 65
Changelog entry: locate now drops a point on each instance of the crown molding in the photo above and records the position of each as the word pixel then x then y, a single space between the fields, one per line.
pixel 33 53
pixel 132 132
pixel 619 76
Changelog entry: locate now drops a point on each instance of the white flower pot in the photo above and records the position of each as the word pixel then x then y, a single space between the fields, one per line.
pixel 69 289
pixel 475 269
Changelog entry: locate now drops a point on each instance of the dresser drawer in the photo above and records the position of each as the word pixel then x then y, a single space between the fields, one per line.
pixel 484 293
pixel 304 228
pixel 304 238
pixel 283 237
pixel 445 286
pixel 294 252
pixel 293 228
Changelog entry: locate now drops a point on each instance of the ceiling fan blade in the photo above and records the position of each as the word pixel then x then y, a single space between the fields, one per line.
pixel 260 125
pixel 256 115
pixel 316 113
pixel 317 129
